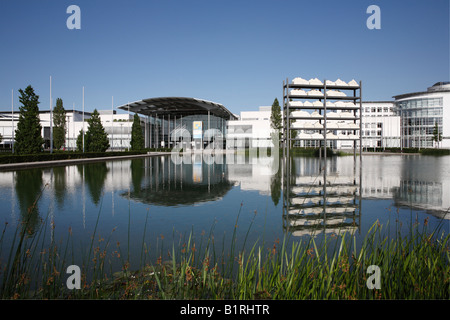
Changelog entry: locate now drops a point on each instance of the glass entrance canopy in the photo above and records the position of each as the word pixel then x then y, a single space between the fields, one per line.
pixel 170 120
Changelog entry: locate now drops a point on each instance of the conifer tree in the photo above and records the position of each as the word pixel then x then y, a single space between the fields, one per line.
pixel 28 138
pixel 59 122
pixel 80 141
pixel 96 138
pixel 276 121
pixel 137 138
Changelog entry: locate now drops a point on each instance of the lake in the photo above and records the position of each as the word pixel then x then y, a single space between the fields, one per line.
pixel 146 204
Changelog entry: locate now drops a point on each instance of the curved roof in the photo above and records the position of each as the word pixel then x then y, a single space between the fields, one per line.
pixel 438 87
pixel 177 106
pixel 442 83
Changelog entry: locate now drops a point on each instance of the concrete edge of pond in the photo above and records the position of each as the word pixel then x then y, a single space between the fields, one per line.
pixel 53 163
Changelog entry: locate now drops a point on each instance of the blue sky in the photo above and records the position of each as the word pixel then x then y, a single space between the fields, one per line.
pixel 236 53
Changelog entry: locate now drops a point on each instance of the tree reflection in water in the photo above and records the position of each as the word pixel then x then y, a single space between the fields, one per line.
pixel 29 187
pixel 94 176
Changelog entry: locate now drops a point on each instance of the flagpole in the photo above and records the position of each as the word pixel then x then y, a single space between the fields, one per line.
pixel 12 120
pixel 51 118
pixel 73 125
pixel 83 119
pixel 112 123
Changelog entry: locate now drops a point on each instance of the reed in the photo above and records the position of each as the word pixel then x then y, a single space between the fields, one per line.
pixel 415 266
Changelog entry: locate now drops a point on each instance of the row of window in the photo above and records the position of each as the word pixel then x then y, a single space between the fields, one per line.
pixel 419 103
pixel 371 133
pixel 423 122
pixel 378 109
pixel 419 131
pixel 373 125
pixel 422 112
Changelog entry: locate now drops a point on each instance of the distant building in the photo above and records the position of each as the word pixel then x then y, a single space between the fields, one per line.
pixel 420 112
pixel 251 130
pixel 117 126
pixel 380 125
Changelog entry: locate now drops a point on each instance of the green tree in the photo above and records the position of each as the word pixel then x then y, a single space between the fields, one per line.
pixel 137 138
pixel 59 125
pixel 293 133
pixel 1 138
pixel 276 120
pixel 80 141
pixel 96 138
pixel 28 133
pixel 437 136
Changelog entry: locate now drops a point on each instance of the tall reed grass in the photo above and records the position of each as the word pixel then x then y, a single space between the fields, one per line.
pixel 412 267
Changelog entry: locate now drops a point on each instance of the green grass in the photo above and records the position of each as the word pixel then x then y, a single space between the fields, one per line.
pixel 61 155
pixel 412 267
pixel 435 152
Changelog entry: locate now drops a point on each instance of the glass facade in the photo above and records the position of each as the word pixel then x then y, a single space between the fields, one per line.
pixel 169 130
pixel 418 120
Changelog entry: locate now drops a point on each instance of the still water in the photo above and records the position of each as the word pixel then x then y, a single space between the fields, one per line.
pixel 156 201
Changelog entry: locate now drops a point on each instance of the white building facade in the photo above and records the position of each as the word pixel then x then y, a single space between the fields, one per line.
pixel 251 130
pixel 117 126
pixel 420 112
pixel 380 125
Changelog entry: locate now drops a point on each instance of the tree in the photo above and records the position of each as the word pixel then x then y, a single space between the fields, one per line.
pixel 137 138
pixel 59 122
pixel 96 138
pixel 28 133
pixel 293 133
pixel 276 120
pixel 1 138
pixel 80 141
pixel 437 136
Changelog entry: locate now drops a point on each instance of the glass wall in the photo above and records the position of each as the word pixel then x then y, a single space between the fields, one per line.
pixel 169 130
pixel 418 120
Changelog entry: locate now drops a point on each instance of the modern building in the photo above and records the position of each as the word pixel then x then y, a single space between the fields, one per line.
pixel 380 125
pixel 182 123
pixel 166 123
pixel 117 126
pixel 420 112
pixel 74 123
pixel 251 130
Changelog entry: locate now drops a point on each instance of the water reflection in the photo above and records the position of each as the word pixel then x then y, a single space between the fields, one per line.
pixel 160 181
pixel 303 196
pixel 29 187
pixel 423 185
pixel 415 182
pixel 94 176
pixel 59 185
pixel 319 199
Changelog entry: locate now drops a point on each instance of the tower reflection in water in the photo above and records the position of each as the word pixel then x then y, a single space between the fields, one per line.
pixel 318 200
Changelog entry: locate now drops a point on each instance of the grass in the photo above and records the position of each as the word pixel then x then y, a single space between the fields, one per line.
pixel 412 267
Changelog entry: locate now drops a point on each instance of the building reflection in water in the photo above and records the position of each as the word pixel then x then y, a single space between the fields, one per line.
pixel 308 198
pixel 411 181
pixel 161 181
pixel 318 200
